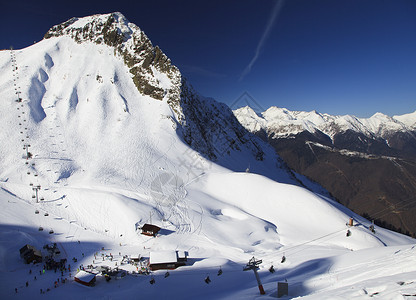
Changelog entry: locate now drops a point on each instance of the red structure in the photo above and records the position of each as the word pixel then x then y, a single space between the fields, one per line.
pixel 85 278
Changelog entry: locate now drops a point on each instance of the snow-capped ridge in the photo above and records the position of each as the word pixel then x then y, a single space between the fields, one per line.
pixel 284 122
pixel 407 119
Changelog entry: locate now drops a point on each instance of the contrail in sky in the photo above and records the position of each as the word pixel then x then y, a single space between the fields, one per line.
pixel 275 13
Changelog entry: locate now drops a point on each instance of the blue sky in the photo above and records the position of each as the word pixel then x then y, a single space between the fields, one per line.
pixel 337 57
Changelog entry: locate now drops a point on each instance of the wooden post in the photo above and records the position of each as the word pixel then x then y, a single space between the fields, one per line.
pixel 282 289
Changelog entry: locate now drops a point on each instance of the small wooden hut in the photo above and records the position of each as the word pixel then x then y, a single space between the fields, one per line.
pixel 85 278
pixel 30 254
pixel 150 230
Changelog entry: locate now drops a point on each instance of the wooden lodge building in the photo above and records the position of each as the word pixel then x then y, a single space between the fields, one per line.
pixel 150 230
pixel 166 260
pixel 30 254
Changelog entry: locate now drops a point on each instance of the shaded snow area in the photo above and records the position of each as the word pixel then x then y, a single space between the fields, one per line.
pixel 89 159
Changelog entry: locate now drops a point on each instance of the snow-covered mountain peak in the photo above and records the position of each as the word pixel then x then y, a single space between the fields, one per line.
pixel 249 118
pixel 276 112
pixel 152 71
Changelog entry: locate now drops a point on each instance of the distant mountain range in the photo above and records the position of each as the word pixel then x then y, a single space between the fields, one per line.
pixel 368 164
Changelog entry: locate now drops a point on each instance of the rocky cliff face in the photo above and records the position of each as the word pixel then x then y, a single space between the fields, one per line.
pixel 152 71
pixel 367 164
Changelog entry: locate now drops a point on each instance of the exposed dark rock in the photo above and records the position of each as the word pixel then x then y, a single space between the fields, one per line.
pixel 134 47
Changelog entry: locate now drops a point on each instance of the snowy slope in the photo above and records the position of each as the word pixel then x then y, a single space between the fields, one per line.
pixel 107 157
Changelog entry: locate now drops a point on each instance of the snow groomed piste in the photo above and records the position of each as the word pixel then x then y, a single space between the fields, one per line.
pixel 102 160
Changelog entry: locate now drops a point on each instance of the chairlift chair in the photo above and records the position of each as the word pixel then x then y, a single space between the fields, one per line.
pixel 40 228
pixel 51 231
pixel 41 198
pixel 219 272
pixel 207 280
pixel 46 214
pixel 271 269
pixel 33 196
pixel 36 212
pixel 152 281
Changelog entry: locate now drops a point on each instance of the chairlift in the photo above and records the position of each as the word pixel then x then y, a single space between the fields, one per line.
pixel 27 163
pixel 51 231
pixel 219 272
pixel 283 259
pixel 167 274
pixel 41 198
pixel 371 228
pixel 40 228
pixel 33 196
pixel 207 279
pixel 152 281
pixel 31 184
pixel 36 212
pixel 28 173
pixel 271 269
pixel 46 214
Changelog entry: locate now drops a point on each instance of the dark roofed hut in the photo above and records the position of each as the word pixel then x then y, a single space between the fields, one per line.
pixel 150 230
pixel 167 260
pixel 30 254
